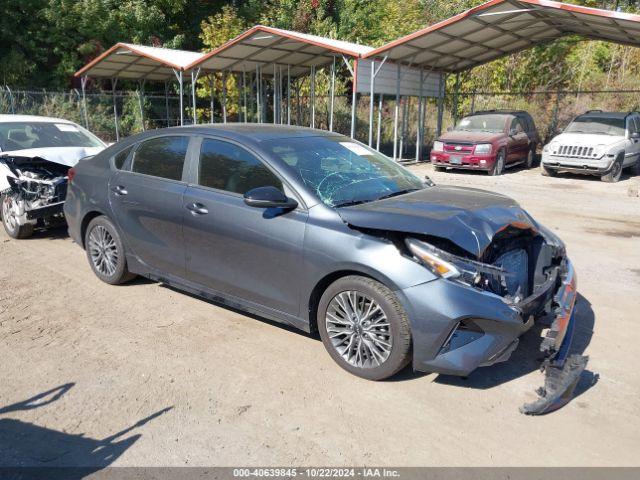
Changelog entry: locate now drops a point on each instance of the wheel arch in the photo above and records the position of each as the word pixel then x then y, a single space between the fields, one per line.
pixel 328 279
pixel 86 219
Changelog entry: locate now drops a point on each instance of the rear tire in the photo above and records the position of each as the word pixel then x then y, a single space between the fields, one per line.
pixel 498 166
pixel 531 157
pixel 105 252
pixel 615 173
pixel 10 222
pixel 370 336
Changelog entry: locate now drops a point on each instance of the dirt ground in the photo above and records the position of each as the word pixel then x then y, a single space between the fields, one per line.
pixel 142 375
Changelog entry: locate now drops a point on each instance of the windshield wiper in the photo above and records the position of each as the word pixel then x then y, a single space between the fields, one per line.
pixel 349 203
pixel 399 192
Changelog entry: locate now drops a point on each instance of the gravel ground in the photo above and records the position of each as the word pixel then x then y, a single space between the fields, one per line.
pixel 142 375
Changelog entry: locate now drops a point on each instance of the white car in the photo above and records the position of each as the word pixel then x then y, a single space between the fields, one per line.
pixel 36 154
pixel 596 143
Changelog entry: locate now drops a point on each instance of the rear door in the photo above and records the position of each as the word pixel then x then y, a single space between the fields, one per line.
pixel 146 198
pixel 518 141
pixel 251 253
pixel 633 145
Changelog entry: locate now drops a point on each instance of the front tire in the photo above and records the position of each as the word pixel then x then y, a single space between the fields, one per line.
pixel 498 166
pixel 364 327
pixel 615 173
pixel 10 220
pixel 105 252
pixel 548 172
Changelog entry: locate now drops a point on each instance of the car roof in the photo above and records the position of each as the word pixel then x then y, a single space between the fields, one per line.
pixel 501 112
pixel 254 132
pixel 600 114
pixel 5 118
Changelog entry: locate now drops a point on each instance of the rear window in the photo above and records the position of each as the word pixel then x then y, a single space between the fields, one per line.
pixel 161 157
pixel 121 157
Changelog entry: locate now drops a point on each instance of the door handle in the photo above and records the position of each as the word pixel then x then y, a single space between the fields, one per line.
pixel 197 209
pixel 119 190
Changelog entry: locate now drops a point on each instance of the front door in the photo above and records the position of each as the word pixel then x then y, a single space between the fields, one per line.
pixel 251 253
pixel 147 202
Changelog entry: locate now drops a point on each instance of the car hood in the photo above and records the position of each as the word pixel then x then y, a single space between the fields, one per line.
pixel 468 217
pixel 470 137
pixel 587 139
pixel 68 156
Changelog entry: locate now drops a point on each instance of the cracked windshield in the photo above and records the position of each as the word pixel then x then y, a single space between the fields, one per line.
pixel 342 172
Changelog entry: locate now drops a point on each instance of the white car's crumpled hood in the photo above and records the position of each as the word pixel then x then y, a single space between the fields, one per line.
pixel 68 156
pixel 586 139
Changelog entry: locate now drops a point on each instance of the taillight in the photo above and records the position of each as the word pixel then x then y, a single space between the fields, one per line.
pixel 71 173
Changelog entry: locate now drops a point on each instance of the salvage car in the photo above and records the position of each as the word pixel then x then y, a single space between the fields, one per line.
pixel 35 156
pixel 315 230
pixel 490 140
pixel 595 143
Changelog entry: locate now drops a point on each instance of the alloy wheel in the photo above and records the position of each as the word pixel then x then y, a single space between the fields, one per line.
pixel 9 213
pixel 103 250
pixel 358 329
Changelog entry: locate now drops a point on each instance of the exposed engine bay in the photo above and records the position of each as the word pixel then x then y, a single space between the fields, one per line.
pixel 36 190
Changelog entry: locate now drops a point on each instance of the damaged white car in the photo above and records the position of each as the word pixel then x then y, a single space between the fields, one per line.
pixel 36 154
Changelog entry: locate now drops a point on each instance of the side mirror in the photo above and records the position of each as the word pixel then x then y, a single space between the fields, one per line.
pixel 428 182
pixel 268 197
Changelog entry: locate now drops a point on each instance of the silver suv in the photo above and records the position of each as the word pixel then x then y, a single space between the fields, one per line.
pixel 596 143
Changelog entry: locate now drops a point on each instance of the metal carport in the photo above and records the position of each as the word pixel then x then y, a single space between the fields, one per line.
pixel 140 63
pixel 260 48
pixel 496 29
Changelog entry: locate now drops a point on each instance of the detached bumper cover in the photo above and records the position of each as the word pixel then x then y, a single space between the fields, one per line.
pixel 562 372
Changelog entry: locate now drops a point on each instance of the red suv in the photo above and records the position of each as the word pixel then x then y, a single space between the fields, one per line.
pixel 490 140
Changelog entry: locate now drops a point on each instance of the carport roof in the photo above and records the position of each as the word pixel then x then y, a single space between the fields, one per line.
pixel 262 46
pixel 139 62
pixel 502 27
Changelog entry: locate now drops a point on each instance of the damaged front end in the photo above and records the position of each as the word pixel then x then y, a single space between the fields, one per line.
pixel 528 269
pixel 35 191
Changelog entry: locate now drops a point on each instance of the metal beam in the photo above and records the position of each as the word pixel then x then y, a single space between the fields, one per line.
pixel 141 103
pixel 114 84
pixel 332 93
pixel 178 74
pixel 396 113
pixel 194 79
pixel 312 94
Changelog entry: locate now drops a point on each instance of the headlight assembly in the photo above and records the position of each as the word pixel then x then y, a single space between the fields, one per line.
pixel 483 148
pixel 431 257
pixel 453 267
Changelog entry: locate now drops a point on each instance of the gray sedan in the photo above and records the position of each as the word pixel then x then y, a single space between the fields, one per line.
pixel 315 230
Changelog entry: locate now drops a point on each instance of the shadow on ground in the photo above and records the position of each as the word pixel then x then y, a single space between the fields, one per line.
pixel 31 451
pixel 526 358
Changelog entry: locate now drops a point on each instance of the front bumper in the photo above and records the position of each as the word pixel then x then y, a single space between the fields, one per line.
pixel 438 309
pixel 46 211
pixel 462 160
pixel 599 166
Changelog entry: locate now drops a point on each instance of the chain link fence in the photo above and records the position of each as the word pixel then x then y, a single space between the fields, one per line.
pixel 551 110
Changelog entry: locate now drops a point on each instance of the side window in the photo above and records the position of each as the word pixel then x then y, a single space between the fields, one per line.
pixel 161 157
pixel 121 157
pixel 517 126
pixel 225 166
pixel 633 124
